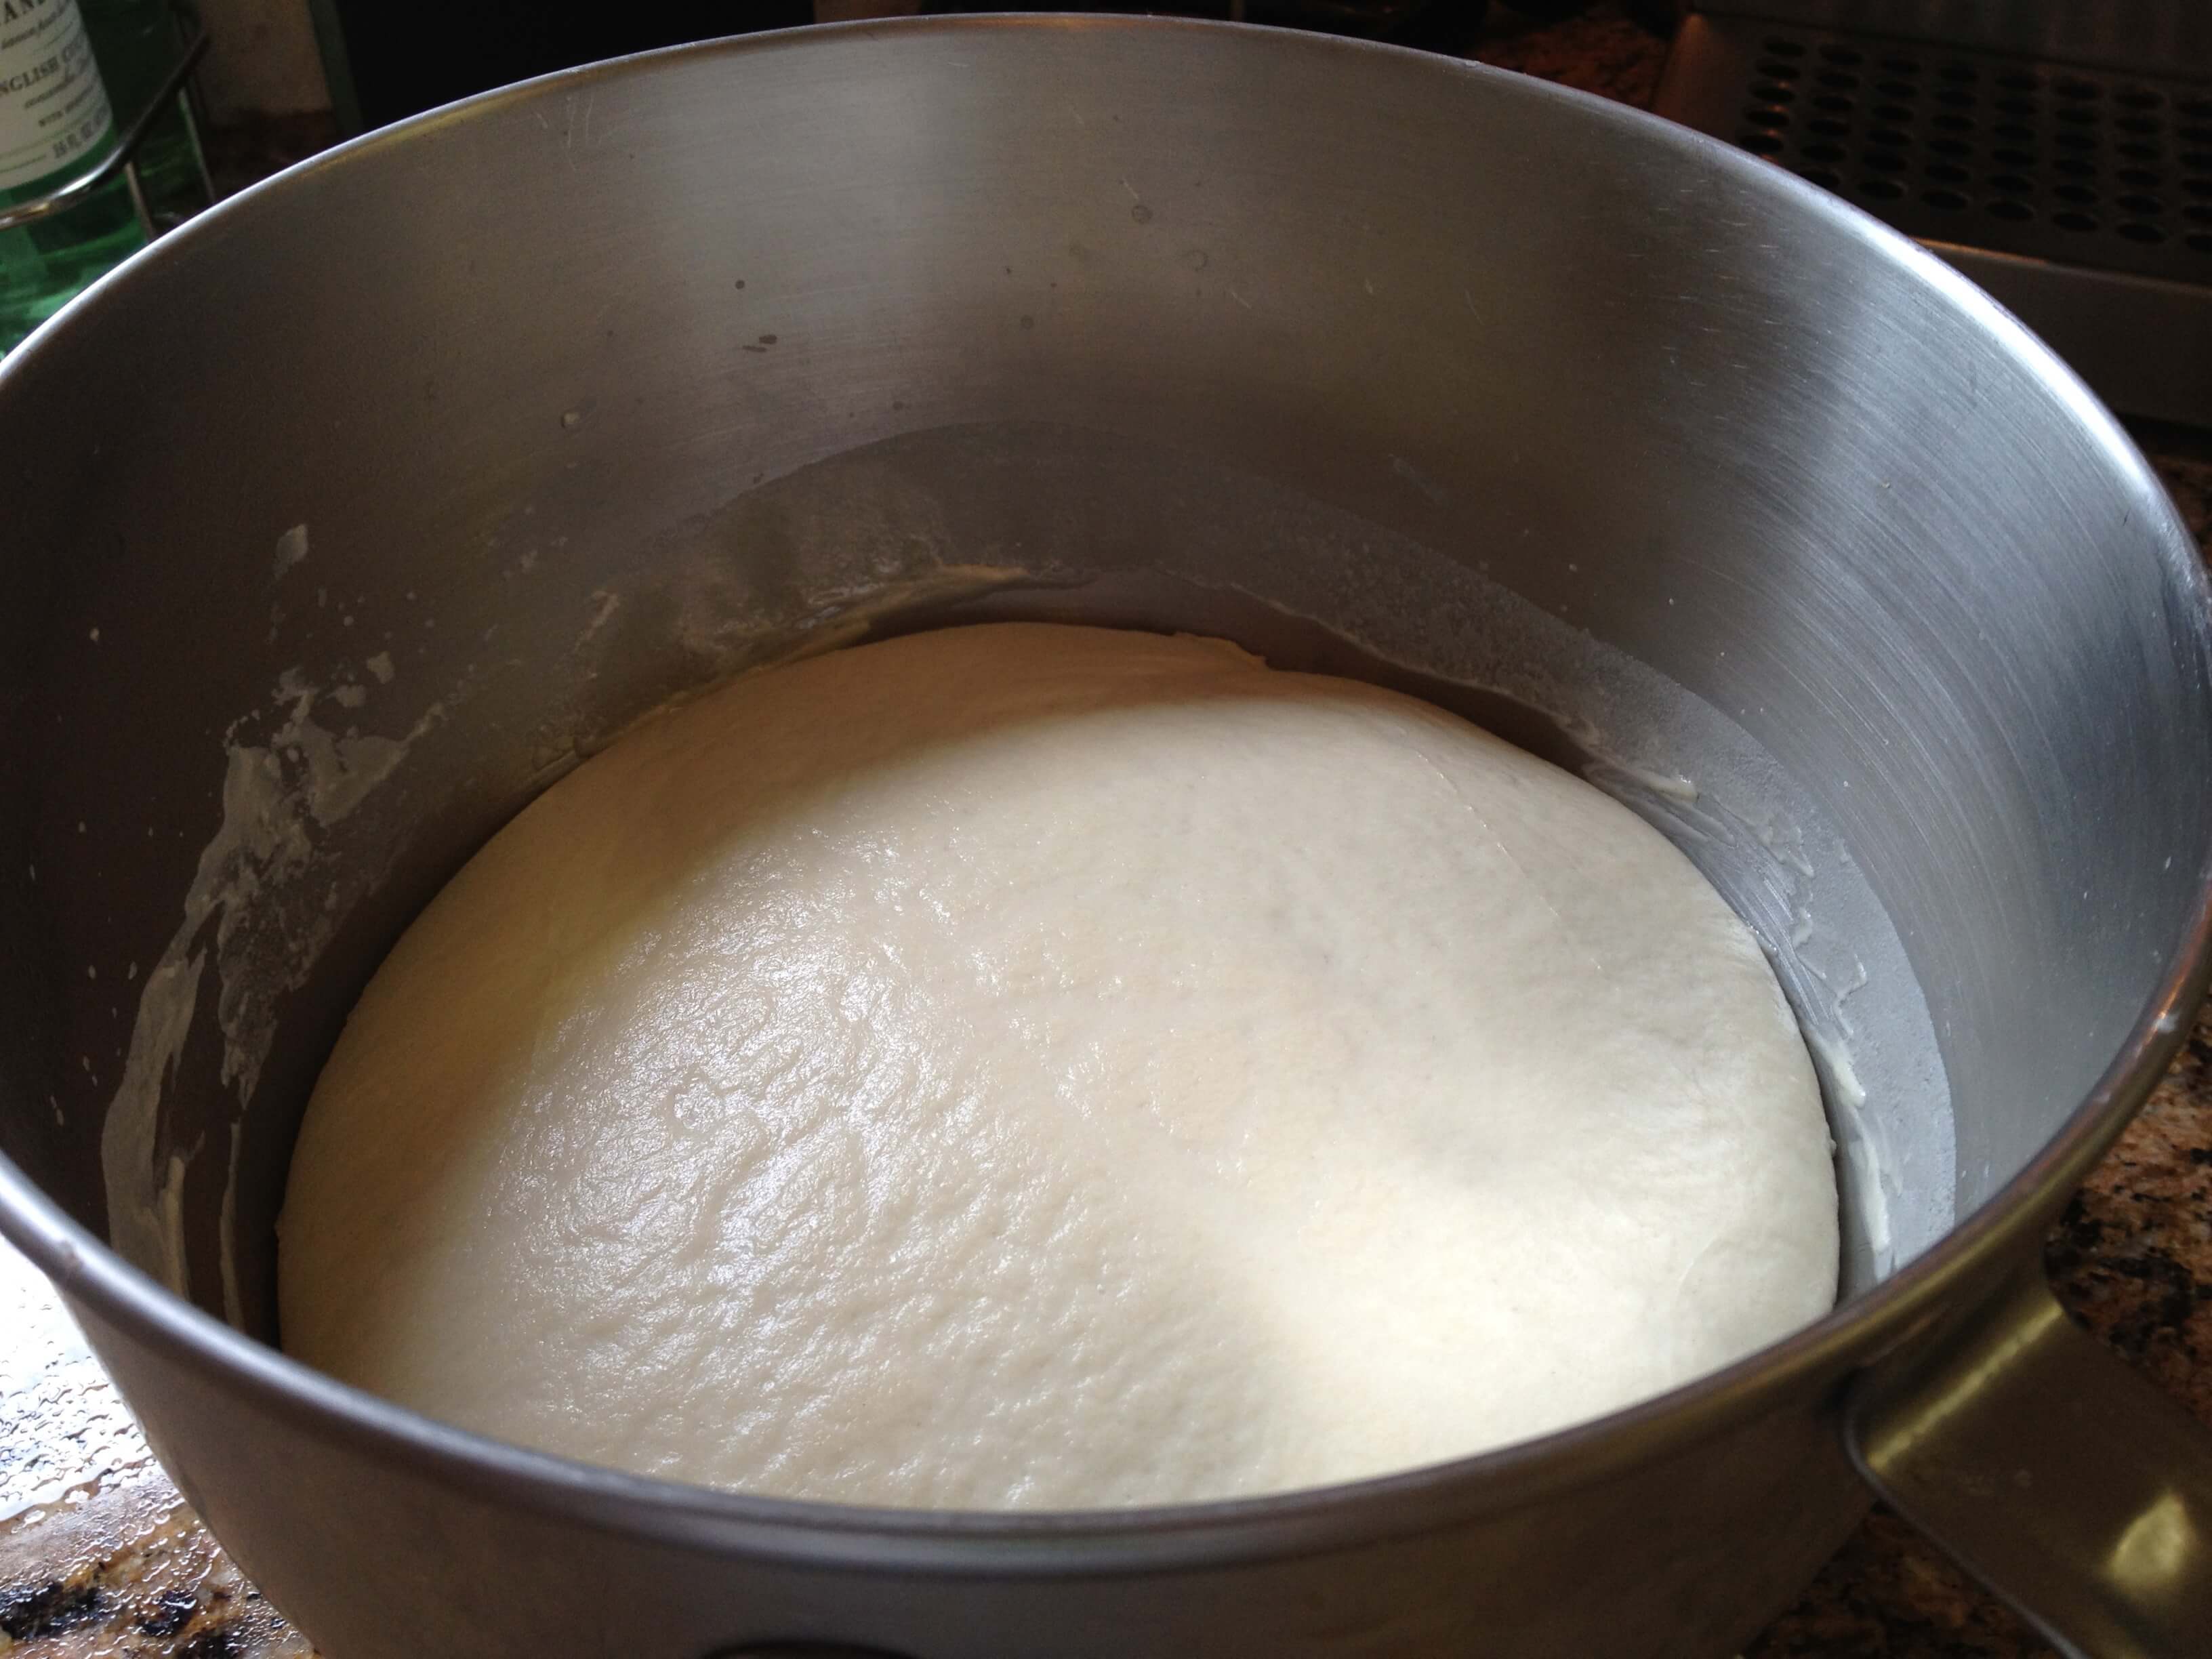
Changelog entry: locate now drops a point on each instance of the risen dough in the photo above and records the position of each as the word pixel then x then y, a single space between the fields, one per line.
pixel 1029 1066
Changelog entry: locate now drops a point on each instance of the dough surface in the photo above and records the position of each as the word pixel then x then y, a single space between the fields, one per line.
pixel 1026 1066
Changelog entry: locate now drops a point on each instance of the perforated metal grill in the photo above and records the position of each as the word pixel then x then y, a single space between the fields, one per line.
pixel 2109 171
pixel 2080 198
pixel 2071 165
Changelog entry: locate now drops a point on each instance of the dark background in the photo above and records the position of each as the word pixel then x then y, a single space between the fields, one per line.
pixel 403 60
pixel 400 60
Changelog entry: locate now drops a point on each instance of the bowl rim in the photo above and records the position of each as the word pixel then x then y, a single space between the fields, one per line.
pixel 1967 1261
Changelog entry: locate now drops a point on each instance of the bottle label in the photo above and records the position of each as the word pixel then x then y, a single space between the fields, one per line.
pixel 53 106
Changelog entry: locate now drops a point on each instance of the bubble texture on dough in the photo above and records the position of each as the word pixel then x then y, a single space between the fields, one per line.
pixel 1043 1066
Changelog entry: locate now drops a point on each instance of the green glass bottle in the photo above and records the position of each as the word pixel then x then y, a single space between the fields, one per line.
pixel 55 121
pixel 138 43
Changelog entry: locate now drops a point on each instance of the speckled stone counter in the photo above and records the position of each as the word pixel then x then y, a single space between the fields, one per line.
pixel 100 1559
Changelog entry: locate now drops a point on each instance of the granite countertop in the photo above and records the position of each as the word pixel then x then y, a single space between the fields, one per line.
pixel 99 1558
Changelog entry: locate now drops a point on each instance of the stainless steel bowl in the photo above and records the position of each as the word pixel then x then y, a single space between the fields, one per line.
pixel 355 511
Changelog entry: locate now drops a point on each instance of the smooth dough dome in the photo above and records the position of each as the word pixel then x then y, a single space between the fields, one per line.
pixel 1028 1066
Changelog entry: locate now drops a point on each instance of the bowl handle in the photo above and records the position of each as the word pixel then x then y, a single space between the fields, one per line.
pixel 2039 1461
